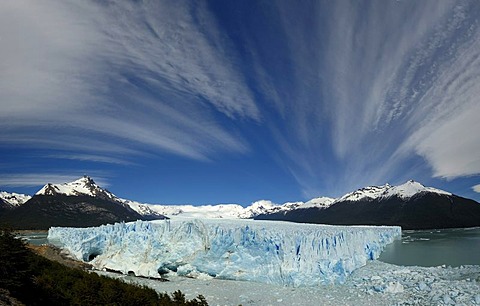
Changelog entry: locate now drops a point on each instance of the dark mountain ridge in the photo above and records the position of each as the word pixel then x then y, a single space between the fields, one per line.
pixel 424 210
pixel 81 203
pixel 44 211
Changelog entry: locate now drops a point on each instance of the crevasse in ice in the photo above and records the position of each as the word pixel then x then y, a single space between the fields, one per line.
pixel 276 252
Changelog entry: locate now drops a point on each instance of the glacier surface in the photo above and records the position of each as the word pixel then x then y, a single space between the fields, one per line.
pixel 272 252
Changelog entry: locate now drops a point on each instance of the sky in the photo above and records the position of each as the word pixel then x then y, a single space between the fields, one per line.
pixel 235 101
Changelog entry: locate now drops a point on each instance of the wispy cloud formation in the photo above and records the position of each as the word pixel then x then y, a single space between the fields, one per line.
pixel 341 94
pixel 155 74
pixel 92 158
pixel 39 179
pixel 390 90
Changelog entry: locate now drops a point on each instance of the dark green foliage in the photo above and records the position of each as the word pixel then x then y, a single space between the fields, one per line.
pixel 14 267
pixel 35 280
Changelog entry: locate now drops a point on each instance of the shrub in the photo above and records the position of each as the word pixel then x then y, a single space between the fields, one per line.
pixel 35 280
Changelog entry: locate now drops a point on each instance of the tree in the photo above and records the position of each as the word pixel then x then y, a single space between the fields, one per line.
pixel 14 262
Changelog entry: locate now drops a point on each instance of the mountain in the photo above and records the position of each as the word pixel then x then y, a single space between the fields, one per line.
pixel 79 203
pixel 84 203
pixel 85 186
pixel 410 205
pixel 11 200
pixel 228 211
pixel 404 191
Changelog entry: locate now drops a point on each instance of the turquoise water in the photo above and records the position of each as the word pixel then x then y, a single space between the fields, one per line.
pixel 430 248
pixel 35 238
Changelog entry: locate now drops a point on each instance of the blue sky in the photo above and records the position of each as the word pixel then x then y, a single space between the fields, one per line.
pixel 235 101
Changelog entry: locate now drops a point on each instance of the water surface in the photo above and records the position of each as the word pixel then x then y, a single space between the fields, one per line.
pixel 430 248
pixel 34 237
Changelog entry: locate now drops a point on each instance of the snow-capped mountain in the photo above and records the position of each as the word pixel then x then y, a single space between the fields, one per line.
pixel 404 191
pixel 80 203
pixel 321 202
pixel 268 207
pixel 14 199
pixel 265 207
pixel 228 211
pixel 84 186
pixel 410 205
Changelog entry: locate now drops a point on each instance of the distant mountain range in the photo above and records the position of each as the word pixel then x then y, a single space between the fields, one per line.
pixel 411 206
pixel 86 188
pixel 84 203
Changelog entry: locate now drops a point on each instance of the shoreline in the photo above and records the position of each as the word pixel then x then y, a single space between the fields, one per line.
pixel 376 283
pixel 28 231
pixel 53 253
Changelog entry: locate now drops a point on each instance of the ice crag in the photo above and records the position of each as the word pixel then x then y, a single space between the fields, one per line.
pixel 275 252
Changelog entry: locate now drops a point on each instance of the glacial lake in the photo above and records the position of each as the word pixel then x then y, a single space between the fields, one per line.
pixel 430 248
pixel 34 238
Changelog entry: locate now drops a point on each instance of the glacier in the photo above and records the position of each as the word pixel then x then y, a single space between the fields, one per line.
pixel 273 252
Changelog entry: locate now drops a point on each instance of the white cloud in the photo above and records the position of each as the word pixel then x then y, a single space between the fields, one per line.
pixel 447 119
pixel 178 42
pixel 40 179
pixel 476 188
pixel 452 147
pixel 355 92
pixel 92 158
pixel 389 90
pixel 131 74
pixel 370 62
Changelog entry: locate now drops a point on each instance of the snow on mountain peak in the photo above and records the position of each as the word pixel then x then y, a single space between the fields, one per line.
pixel 404 191
pixel 257 208
pixel 82 186
pixel 371 192
pixel 86 186
pixel 411 188
pixel 262 205
pixel 229 211
pixel 14 199
pixel 321 202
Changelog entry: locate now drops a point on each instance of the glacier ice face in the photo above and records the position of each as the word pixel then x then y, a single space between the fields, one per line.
pixel 275 252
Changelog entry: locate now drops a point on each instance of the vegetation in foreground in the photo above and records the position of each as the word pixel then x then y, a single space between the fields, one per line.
pixel 33 280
